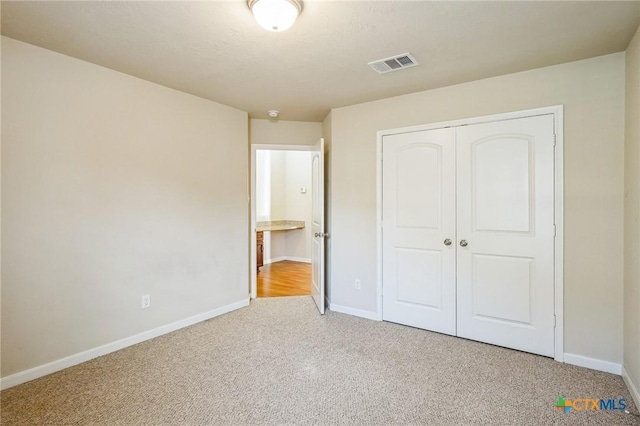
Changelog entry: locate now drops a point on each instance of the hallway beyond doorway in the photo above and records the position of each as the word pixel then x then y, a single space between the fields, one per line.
pixel 285 278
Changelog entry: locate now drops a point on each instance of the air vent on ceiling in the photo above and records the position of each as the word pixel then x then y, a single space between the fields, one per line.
pixel 394 63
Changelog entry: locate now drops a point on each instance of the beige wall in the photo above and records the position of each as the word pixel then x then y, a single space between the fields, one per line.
pixel 632 217
pixel 263 185
pixel 113 187
pixel 271 198
pixel 298 175
pixel 592 92
pixel 278 179
pixel 276 132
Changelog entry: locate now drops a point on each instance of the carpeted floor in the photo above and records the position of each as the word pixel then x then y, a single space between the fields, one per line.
pixel 279 362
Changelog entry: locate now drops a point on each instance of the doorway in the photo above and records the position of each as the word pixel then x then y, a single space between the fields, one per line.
pixel 471 244
pixel 281 216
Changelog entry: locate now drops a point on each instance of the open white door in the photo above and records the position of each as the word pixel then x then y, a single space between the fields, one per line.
pixel 317 225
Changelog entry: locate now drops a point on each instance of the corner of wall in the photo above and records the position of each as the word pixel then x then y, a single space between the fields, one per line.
pixel 631 311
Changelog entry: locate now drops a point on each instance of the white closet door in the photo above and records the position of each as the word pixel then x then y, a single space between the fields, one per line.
pixel 505 229
pixel 418 214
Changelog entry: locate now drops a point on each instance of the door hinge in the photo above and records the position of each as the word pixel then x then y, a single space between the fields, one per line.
pixel 554 230
pixel 554 321
pixel 555 139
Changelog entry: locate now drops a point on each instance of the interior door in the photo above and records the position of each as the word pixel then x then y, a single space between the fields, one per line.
pixel 505 185
pixel 419 230
pixel 317 226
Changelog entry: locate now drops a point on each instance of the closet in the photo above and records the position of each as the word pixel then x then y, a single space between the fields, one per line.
pixel 468 231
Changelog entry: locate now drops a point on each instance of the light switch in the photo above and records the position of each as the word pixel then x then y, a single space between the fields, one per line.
pixel 303 190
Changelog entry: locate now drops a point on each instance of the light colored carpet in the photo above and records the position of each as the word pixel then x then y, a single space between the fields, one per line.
pixel 279 362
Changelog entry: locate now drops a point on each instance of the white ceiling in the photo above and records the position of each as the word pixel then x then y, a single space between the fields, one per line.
pixel 217 51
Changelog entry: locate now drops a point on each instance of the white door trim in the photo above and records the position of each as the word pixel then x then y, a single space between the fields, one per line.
pixel 253 286
pixel 558 114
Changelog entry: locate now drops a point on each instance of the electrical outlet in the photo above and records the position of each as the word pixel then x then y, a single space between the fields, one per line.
pixel 146 301
pixel 358 284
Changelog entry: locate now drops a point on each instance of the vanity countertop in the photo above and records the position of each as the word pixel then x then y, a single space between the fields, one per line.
pixel 279 225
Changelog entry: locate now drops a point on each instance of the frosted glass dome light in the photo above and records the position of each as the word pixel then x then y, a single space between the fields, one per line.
pixel 275 15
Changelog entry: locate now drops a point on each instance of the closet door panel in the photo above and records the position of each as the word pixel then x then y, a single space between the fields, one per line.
pixel 418 211
pixel 505 253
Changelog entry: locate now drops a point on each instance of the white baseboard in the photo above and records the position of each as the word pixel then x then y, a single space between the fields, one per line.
pixel 298 259
pixel 61 364
pixel 593 363
pixel 292 258
pixel 635 393
pixel 355 312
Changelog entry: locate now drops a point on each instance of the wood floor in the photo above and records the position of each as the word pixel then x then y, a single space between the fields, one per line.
pixel 286 278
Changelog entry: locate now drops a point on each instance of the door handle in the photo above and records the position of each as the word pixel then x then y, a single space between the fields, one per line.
pixel 447 242
pixel 464 243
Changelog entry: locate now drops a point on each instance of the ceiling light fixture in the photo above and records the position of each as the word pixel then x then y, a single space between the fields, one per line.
pixel 273 113
pixel 275 15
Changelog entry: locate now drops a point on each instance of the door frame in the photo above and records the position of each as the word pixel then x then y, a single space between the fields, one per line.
pixel 558 119
pixel 253 276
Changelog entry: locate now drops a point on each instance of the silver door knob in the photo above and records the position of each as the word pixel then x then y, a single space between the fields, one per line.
pixel 464 243
pixel 447 242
